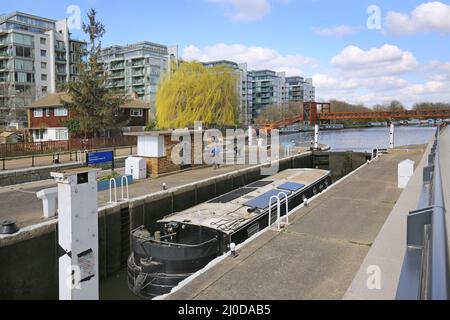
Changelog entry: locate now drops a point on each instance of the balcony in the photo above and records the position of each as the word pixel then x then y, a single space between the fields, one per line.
pixel 117 75
pixel 60 72
pixel 60 48
pixel 60 60
pixel 117 67
pixel 138 74
pixel 137 64
pixel 138 82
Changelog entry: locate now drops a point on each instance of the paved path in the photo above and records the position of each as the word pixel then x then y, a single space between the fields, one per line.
pixel 321 251
pixel 20 203
pixel 47 160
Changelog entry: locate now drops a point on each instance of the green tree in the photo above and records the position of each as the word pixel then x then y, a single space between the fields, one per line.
pixel 93 106
pixel 196 93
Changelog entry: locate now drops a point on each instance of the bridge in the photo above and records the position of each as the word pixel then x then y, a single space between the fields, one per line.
pixel 316 112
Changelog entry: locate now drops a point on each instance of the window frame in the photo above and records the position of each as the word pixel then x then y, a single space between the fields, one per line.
pixel 139 114
pixel 58 113
pixel 38 113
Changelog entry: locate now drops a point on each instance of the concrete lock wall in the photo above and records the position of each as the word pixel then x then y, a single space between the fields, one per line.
pixel 29 265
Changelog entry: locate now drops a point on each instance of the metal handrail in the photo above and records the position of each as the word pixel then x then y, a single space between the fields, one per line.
pixel 428 272
pixel 112 182
pixel 439 286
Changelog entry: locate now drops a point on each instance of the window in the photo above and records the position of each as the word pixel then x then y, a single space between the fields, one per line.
pixel 23 39
pixel 136 112
pixel 43 65
pixel 23 52
pixel 38 134
pixel 23 65
pixel 61 134
pixel 61 112
pixel 43 53
pixel 43 77
pixel 44 89
pixel 47 112
pixel 38 113
pixel 43 41
pixel 23 77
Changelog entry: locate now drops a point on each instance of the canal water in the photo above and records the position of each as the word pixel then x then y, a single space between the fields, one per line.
pixel 364 139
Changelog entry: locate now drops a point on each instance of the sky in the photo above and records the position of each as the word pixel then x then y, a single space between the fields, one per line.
pixel 359 51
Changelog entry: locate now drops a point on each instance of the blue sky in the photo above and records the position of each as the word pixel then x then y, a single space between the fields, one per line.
pixel 407 59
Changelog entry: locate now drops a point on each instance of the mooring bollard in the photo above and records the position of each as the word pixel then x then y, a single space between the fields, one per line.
pixel 391 136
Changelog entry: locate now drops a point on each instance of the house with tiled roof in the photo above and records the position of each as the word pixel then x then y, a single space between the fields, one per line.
pixel 46 117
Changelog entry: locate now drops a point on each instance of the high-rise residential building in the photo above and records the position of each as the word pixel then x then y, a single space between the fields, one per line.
pixel 268 89
pixel 36 56
pixel 309 91
pixel 136 69
pixel 244 88
pixel 299 89
pixel 295 89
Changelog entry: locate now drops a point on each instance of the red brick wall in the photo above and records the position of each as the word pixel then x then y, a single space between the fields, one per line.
pixel 159 166
pixel 45 122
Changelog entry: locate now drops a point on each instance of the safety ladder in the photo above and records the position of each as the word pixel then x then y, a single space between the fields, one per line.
pixel 278 199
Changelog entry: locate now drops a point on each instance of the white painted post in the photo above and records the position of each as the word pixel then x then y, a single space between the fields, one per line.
pixel 391 136
pixel 316 136
pixel 250 135
pixel 405 172
pixel 78 234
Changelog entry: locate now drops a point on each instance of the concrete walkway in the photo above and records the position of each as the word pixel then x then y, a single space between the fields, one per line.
pixel 319 254
pixel 20 203
pixel 12 164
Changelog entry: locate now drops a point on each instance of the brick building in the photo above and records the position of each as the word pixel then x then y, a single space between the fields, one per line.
pixel 46 117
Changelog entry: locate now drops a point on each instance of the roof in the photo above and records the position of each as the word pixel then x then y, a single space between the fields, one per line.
pixel 7 134
pixel 54 100
pixel 50 100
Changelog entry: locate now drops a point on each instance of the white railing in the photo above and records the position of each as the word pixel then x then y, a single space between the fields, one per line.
pixel 278 199
pixel 112 182
pixel 124 183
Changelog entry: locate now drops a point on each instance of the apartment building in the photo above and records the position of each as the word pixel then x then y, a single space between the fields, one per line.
pixel 309 91
pixel 268 89
pixel 137 68
pixel 37 55
pixel 244 88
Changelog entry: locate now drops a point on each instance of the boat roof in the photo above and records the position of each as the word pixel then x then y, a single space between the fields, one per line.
pixel 229 212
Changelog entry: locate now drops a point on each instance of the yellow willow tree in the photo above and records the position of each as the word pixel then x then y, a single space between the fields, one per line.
pixel 196 93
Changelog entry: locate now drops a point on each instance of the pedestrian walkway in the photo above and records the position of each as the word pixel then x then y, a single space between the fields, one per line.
pixel 319 254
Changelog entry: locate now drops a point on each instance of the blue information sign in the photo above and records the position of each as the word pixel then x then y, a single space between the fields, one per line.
pixel 100 157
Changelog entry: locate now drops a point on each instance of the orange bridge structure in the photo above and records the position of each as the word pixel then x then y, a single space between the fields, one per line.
pixel 318 113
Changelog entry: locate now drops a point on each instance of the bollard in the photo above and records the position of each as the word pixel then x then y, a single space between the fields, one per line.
pixel 391 136
pixel 4 165
pixel 316 136
pixel 32 160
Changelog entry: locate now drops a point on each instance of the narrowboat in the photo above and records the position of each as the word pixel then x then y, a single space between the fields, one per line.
pixel 187 241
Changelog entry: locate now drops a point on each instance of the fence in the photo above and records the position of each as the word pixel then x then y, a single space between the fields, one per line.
pixel 425 273
pixel 35 148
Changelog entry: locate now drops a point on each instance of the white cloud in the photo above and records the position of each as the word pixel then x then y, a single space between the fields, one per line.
pixel 337 31
pixel 428 17
pixel 256 57
pixel 377 75
pixel 245 10
pixel 382 61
